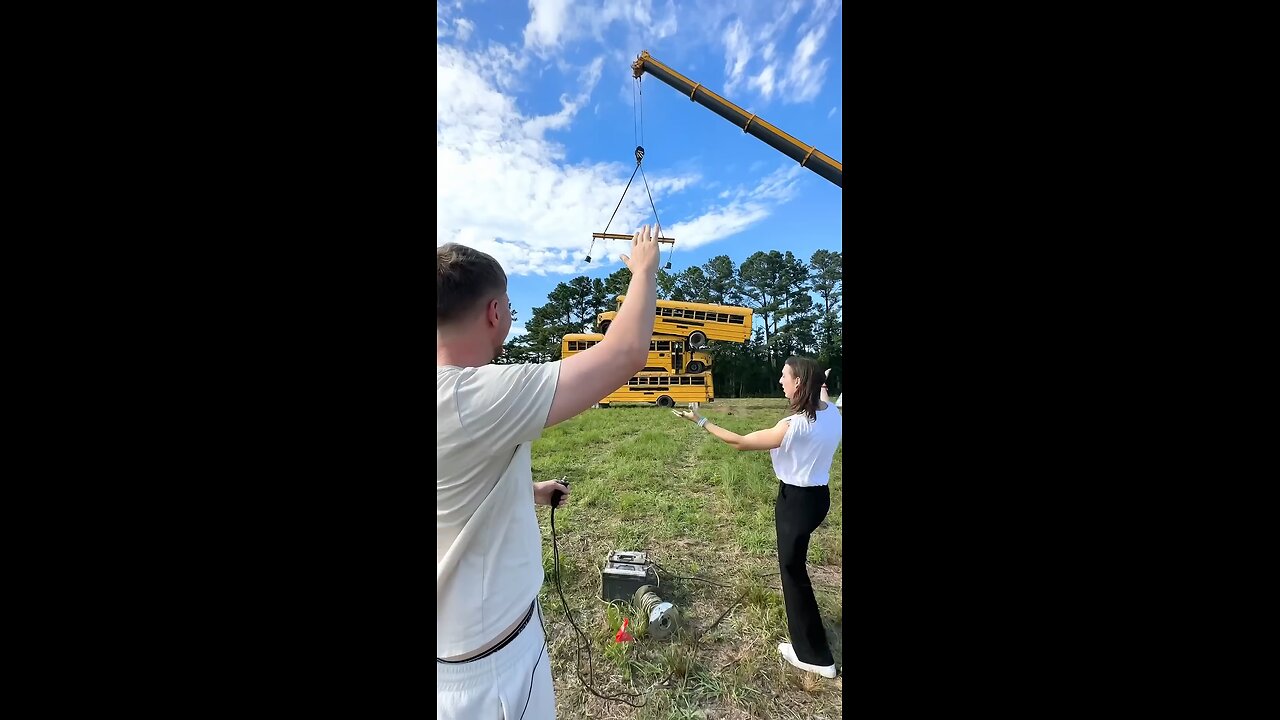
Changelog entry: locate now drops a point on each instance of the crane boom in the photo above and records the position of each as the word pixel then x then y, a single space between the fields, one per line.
pixel 807 155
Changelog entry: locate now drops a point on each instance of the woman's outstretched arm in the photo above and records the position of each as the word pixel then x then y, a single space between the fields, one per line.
pixel 758 440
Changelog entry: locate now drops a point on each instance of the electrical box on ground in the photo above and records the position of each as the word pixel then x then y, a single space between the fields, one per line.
pixel 624 572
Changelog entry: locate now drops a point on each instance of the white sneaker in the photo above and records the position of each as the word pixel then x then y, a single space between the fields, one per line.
pixel 789 653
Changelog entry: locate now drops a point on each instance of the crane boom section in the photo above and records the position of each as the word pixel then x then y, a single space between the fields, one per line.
pixel 807 155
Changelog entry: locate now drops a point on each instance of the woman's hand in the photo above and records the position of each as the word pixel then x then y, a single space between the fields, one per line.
pixel 690 415
pixel 543 491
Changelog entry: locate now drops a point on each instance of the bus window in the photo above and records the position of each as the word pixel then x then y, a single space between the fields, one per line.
pixel 665 354
pixel 695 322
pixel 664 390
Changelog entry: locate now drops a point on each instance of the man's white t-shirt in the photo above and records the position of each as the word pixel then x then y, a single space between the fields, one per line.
pixel 804 458
pixel 488 545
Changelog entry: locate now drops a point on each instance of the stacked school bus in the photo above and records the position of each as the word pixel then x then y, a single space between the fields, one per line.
pixel 666 354
pixel 677 370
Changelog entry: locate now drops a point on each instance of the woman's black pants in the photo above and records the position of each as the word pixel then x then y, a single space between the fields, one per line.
pixel 799 511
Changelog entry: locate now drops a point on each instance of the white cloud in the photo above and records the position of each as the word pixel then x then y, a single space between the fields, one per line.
pixel 546 22
pixel 505 187
pixel 833 112
pixel 445 11
pixel 744 208
pixel 538 126
pixel 764 82
pixel 569 107
pixel 823 14
pixel 671 185
pixel 666 26
pixel 737 52
pixel 502 185
pixel 591 74
pixel 804 77
pixel 781 21
pixel 516 331
pixel 500 65
pixel 805 74
pixel 554 23
pixel 464 28
pixel 794 80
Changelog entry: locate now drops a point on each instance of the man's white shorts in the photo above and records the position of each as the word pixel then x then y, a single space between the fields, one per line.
pixel 500 686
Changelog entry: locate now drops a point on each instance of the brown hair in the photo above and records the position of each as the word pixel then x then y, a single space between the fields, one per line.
pixel 464 278
pixel 808 396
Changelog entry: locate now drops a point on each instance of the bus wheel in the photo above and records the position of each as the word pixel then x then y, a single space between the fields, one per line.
pixel 697 339
pixel 604 405
pixel 604 327
pixel 666 401
pixel 695 367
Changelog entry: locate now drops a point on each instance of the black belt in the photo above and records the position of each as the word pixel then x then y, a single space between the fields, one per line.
pixel 505 641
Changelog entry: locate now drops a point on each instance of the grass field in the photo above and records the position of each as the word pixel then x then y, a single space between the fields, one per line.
pixel 644 479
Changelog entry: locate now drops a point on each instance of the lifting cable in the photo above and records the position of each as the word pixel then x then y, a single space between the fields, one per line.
pixel 637 123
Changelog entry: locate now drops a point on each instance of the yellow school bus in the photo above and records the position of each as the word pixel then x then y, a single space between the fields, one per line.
pixel 696 322
pixel 666 353
pixel 664 390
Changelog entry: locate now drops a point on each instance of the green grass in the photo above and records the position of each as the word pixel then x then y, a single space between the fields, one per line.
pixel 644 479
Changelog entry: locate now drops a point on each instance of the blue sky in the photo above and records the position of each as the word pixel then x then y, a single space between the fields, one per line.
pixel 536 129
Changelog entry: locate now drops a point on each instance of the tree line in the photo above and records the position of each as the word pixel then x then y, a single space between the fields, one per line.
pixel 797 308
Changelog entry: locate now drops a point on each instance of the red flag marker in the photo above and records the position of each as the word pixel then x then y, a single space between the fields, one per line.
pixel 623 635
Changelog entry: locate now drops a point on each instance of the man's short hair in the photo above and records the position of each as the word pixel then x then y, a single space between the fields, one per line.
pixel 465 277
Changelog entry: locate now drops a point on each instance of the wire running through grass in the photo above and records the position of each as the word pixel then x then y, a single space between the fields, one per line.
pixel 697 640
pixel 817 586
pixel 658 567
pixel 555 556
pixel 659 570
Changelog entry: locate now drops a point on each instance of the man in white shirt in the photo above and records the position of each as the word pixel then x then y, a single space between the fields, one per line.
pixel 490 652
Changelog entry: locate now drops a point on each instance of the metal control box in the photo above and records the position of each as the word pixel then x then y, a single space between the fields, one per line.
pixel 625 571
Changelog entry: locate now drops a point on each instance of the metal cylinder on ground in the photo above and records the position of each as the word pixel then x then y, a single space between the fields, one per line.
pixel 657 617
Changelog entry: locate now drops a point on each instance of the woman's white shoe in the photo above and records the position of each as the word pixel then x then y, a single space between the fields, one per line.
pixel 789 654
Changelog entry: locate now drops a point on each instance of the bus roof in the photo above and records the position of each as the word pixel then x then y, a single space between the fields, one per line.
pixel 706 307
pixel 598 336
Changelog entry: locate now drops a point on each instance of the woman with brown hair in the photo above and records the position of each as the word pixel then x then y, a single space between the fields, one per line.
pixel 802 446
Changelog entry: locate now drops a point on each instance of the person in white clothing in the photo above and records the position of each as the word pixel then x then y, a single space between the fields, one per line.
pixel 802 446
pixel 491 656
